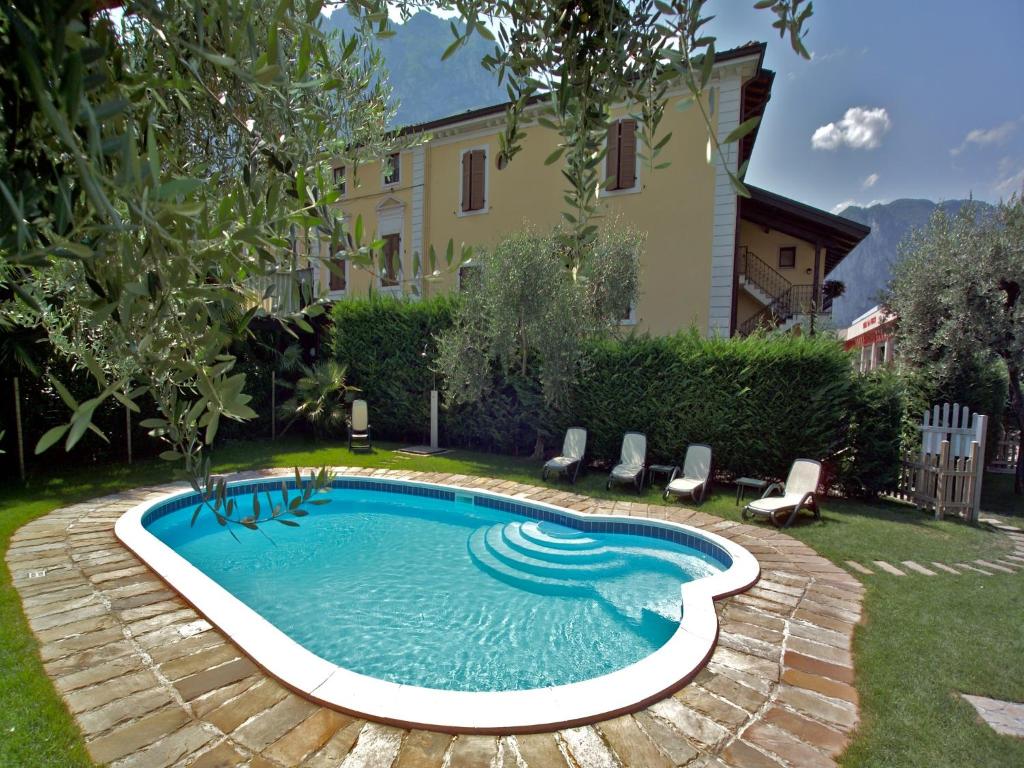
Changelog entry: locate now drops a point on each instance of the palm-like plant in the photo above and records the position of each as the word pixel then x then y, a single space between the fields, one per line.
pixel 320 398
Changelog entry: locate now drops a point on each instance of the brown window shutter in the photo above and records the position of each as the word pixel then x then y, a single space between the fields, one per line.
pixel 391 258
pixel 476 180
pixel 626 177
pixel 467 184
pixel 337 279
pixel 611 160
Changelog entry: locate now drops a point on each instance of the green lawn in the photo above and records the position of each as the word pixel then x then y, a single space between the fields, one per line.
pixel 921 642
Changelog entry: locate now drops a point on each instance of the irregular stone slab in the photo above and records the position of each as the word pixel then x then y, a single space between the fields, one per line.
pixel 473 751
pixel 423 749
pixel 992 566
pixel 587 749
pixel 631 744
pixel 307 737
pixel 377 745
pixel 133 737
pixel 889 568
pixel 539 750
pixel 911 565
pixel 337 748
pixel 1005 717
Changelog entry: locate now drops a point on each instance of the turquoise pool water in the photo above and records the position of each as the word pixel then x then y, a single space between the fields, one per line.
pixel 448 594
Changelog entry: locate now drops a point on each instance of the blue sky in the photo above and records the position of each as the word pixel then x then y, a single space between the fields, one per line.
pixel 947 75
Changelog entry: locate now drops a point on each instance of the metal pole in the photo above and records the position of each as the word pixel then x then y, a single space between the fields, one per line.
pixel 20 434
pixel 273 405
pixel 433 419
pixel 128 431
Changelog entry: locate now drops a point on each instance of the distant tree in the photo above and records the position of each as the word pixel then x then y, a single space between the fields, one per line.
pixel 956 290
pixel 523 311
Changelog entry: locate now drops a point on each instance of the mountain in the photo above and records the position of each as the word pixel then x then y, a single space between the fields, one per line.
pixel 425 87
pixel 867 270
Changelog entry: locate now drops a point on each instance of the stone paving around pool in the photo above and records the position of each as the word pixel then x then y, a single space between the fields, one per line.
pixel 152 684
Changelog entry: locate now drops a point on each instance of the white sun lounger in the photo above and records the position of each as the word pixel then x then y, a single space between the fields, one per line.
pixel 573 448
pixel 798 492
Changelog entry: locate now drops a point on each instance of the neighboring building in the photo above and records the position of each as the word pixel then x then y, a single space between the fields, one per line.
pixel 872 336
pixel 712 260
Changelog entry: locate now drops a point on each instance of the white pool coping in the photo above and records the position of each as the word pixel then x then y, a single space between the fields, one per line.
pixel 624 690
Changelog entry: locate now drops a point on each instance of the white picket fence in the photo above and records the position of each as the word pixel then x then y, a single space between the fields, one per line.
pixel 945 476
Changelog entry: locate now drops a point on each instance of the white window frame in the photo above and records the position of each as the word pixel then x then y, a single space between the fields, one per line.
pixel 637 182
pixel 487 181
pixel 384 183
pixel 391 221
pixel 631 318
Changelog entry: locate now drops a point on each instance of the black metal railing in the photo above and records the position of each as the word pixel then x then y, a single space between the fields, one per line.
pixel 762 274
pixel 797 300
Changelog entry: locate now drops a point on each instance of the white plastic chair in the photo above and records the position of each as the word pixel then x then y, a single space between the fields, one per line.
pixel 798 492
pixel 696 474
pixel 359 426
pixel 632 460
pixel 573 448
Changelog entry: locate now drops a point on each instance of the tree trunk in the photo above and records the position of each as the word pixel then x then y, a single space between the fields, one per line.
pixel 18 431
pixel 538 449
pixel 1017 411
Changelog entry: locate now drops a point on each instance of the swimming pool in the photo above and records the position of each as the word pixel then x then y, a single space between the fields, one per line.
pixel 448 607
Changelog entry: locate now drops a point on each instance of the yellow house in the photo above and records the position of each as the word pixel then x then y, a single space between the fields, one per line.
pixel 712 260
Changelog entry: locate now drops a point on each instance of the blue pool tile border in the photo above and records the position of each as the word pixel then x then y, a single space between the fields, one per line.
pixel 684 538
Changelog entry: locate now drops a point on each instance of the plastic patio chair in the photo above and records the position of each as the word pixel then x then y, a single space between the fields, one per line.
pixel 798 492
pixel 573 448
pixel 696 474
pixel 359 427
pixel 632 460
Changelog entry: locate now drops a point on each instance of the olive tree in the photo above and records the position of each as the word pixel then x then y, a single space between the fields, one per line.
pixel 156 172
pixel 523 308
pixel 956 290
pixel 155 169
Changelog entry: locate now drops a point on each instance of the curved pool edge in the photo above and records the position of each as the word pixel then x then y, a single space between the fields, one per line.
pixel 541 709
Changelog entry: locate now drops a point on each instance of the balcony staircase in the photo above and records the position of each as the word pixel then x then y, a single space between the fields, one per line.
pixel 785 304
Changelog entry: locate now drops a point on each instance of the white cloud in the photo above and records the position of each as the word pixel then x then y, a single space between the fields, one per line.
pixel 1010 182
pixel 843 205
pixel 870 181
pixel 860 128
pixel 838 207
pixel 983 137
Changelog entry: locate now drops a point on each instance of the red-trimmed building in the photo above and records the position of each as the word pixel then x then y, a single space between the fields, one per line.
pixel 872 335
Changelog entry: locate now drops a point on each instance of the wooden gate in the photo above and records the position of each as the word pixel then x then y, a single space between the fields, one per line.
pixel 945 476
pixel 1007 452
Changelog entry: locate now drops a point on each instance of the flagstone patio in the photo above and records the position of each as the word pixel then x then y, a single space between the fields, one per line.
pixel 152 684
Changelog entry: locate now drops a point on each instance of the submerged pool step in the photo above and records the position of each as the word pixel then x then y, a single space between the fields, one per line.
pixel 556 536
pixel 489 563
pixel 577 569
pixel 514 537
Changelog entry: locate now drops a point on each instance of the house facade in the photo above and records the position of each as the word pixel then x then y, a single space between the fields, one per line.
pixel 872 338
pixel 712 260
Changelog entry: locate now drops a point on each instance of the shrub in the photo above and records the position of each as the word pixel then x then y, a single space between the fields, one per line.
pixel 759 402
pixel 870 463
pixel 388 346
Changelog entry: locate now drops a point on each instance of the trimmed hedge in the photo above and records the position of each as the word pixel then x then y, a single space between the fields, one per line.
pixel 871 461
pixel 388 346
pixel 760 401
